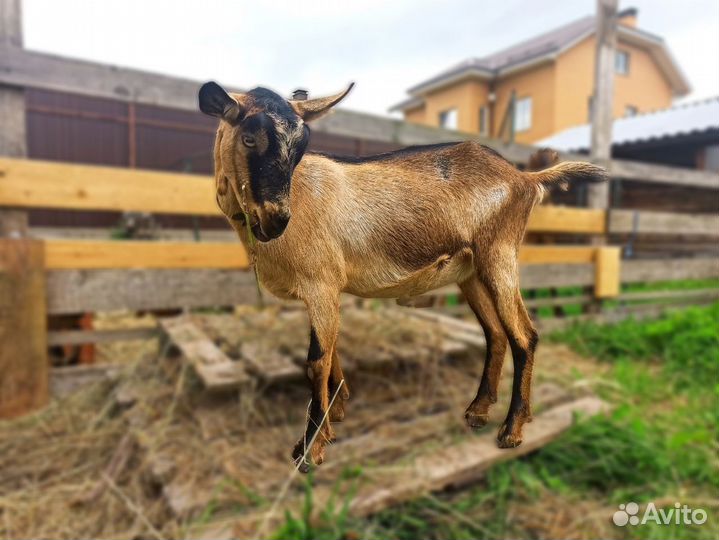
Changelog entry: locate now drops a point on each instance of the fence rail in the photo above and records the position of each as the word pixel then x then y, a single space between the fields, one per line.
pixel 64 275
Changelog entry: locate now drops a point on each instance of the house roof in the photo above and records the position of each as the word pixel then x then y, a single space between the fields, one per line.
pixel 545 47
pixel 687 119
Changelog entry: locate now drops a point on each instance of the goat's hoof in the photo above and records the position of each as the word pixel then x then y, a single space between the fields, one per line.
pixel 303 462
pixel 507 439
pixel 299 459
pixel 476 420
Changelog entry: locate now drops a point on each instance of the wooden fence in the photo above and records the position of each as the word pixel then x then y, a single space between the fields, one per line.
pixel 41 277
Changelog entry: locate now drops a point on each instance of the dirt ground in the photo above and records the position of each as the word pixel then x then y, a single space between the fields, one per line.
pixel 148 452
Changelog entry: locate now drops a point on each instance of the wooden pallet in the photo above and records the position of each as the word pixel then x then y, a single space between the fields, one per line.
pixel 214 368
pixel 218 372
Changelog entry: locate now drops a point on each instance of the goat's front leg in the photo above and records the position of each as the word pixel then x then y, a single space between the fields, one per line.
pixel 336 385
pixel 323 310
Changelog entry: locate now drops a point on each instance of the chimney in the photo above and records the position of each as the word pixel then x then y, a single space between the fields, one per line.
pixel 300 94
pixel 628 17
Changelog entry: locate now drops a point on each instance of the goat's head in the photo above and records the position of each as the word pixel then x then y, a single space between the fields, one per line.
pixel 261 139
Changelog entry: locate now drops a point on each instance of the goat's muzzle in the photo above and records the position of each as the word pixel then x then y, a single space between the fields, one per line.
pixel 270 225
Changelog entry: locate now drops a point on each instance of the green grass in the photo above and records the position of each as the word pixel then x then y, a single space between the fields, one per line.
pixel 658 444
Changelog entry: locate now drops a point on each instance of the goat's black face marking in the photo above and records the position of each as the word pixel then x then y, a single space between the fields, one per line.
pixel 315 352
pixel 282 139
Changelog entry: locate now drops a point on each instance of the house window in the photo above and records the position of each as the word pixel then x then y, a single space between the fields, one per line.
pixel 630 110
pixel 484 120
pixel 523 114
pixel 621 62
pixel 448 119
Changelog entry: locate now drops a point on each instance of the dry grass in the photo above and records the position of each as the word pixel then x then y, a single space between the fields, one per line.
pixel 149 454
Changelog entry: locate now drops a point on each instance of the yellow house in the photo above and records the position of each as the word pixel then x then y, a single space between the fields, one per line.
pixel 551 77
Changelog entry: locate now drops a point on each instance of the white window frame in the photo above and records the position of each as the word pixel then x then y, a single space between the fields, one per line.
pixel 523 114
pixel 449 119
pixel 621 62
pixel 484 120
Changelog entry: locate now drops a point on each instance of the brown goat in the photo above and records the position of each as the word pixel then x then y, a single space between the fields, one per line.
pixel 392 225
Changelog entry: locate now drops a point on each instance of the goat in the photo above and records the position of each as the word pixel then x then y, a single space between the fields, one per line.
pixel 392 225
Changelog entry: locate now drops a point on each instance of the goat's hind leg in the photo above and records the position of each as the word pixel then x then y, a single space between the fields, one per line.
pixel 479 300
pixel 323 310
pixel 501 277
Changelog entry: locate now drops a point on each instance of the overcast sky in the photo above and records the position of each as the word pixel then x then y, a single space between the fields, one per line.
pixel 385 46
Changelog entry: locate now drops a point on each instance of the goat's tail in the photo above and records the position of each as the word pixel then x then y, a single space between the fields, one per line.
pixel 568 172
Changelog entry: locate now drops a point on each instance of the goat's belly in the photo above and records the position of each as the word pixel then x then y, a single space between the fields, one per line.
pixel 447 269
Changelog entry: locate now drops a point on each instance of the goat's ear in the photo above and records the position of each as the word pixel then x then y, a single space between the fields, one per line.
pixel 312 109
pixel 216 102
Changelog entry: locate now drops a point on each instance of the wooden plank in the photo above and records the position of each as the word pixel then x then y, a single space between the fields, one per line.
pixel 623 222
pixel 270 365
pixel 669 295
pixel 607 272
pixel 67 379
pixel 48 184
pixel 80 337
pixel 466 462
pixel 448 467
pixel 556 254
pixel 661 174
pixel 651 270
pixel 23 338
pixel 97 233
pixel 80 291
pixel 397 435
pixel 32 69
pixel 217 371
pixel 566 219
pixel 97 254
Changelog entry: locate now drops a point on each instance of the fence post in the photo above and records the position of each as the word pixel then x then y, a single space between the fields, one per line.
pixel 603 99
pixel 607 276
pixel 24 369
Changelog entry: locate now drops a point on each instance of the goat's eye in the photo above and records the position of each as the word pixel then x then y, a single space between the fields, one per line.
pixel 248 140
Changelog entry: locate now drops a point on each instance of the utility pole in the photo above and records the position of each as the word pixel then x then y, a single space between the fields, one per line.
pixel 602 103
pixel 13 138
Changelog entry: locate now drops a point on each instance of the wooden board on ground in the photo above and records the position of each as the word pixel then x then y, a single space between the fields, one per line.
pixel 23 358
pixel 270 365
pixel 430 471
pixel 216 370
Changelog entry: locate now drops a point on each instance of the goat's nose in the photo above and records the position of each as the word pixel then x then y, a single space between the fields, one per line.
pixel 276 225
